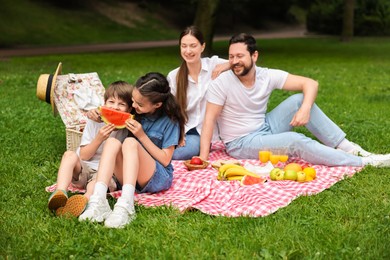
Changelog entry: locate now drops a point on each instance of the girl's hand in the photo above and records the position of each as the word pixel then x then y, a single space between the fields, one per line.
pixel 105 132
pixel 182 143
pixel 135 127
pixel 94 115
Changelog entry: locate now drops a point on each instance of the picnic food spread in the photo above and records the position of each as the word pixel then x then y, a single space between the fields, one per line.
pixel 293 172
pixel 234 172
pixel 250 180
pixel 112 116
pixel 196 163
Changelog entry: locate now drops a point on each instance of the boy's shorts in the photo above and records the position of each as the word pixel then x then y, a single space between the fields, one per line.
pixel 88 174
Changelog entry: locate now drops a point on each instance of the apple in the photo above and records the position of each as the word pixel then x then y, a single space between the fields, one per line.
pixel 273 173
pixel 196 161
pixel 290 175
pixel 301 176
pixel 280 175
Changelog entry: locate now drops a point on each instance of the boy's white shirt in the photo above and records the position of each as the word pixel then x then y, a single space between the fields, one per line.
pixel 90 131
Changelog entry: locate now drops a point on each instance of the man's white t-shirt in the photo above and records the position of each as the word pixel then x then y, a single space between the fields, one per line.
pixel 90 131
pixel 196 92
pixel 244 108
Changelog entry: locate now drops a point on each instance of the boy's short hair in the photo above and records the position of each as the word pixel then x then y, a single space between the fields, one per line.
pixel 120 89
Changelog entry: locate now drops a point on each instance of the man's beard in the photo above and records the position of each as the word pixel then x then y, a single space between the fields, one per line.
pixel 245 71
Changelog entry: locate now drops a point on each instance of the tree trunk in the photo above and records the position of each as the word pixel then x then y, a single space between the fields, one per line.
pixel 348 18
pixel 205 18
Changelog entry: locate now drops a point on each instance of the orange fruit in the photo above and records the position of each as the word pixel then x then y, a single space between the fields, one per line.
pixel 293 166
pixel 310 172
pixel 308 178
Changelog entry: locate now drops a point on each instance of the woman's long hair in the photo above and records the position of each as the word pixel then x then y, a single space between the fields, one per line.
pixel 155 87
pixel 182 75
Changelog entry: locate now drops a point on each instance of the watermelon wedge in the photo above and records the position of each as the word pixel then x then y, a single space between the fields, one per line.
pixel 250 180
pixel 112 116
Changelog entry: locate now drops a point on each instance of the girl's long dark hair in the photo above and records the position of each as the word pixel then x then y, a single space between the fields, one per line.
pixel 182 75
pixel 155 87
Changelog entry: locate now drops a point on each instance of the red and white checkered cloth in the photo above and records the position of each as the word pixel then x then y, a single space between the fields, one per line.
pixel 200 189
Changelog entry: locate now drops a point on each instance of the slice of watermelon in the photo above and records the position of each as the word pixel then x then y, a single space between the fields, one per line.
pixel 250 180
pixel 112 116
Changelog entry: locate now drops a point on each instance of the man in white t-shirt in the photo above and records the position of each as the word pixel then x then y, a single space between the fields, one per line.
pixel 237 100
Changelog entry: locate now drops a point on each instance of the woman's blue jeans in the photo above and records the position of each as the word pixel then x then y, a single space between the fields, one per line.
pixel 191 148
pixel 276 133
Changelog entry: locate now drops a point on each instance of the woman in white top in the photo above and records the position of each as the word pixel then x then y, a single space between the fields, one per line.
pixel 189 84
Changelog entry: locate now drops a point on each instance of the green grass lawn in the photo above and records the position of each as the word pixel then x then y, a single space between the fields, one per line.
pixel 351 220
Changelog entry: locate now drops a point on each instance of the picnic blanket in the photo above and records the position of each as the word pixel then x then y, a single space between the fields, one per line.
pixel 200 189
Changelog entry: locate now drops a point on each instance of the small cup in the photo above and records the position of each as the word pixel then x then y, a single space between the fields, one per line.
pixel 283 157
pixel 264 156
pixel 274 158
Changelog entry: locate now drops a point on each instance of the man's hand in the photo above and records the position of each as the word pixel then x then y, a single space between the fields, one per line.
pixel 301 118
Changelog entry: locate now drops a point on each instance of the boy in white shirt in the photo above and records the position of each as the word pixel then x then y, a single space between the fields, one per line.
pixel 80 167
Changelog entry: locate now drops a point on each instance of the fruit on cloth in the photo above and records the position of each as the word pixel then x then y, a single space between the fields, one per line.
pixel 196 161
pixel 112 116
pixel 220 162
pixel 280 175
pixel 290 175
pixel 308 178
pixel 273 173
pixel 293 166
pixel 191 167
pixel 311 172
pixel 301 176
pixel 230 172
pixel 250 180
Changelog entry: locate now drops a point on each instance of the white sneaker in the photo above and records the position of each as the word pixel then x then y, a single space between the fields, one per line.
pixel 97 210
pixel 122 215
pixel 379 160
pixel 359 151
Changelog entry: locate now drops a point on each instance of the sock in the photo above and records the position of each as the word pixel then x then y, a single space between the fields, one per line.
pixel 346 145
pixel 128 193
pixel 366 160
pixel 100 189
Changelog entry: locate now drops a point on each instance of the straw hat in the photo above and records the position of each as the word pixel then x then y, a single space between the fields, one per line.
pixel 46 85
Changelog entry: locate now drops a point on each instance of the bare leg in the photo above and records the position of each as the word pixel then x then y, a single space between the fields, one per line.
pixel 70 166
pixel 138 165
pixel 108 160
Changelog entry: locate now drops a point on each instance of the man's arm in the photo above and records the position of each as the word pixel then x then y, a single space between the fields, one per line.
pixel 309 87
pixel 212 113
